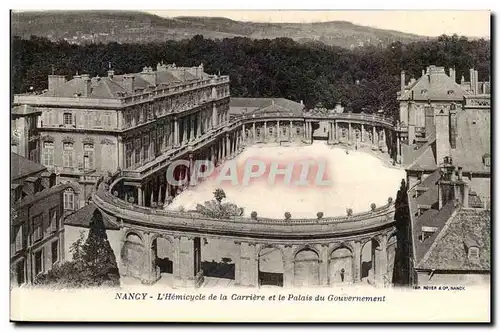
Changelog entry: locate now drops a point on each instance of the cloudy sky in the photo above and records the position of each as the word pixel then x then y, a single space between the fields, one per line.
pixel 428 23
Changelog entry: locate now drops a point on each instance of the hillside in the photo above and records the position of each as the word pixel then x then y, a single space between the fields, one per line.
pixel 81 27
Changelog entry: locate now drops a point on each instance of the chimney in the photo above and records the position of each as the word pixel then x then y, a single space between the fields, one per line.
pixel 462 81
pixel 301 102
pixel 453 75
pixel 476 82
pixel 423 72
pixel 128 83
pixel 56 81
pixel 149 76
pixel 86 85
pixel 442 134
pixel 453 126
pixel 111 73
pixel 472 74
pixel 402 81
pixel 429 120
pixel 411 123
pixel 31 185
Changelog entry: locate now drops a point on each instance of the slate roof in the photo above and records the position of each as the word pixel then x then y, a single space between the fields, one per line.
pixel 265 105
pixel 473 139
pixel 101 87
pixel 21 167
pixel 83 216
pixel 449 250
pixel 434 85
pixel 25 110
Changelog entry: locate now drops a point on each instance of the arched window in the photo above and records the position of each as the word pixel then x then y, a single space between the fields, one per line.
pixel 69 199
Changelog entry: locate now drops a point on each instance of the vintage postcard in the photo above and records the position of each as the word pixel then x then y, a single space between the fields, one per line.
pixel 250 166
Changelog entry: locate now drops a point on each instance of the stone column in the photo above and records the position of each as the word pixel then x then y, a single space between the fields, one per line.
pixel 398 149
pixel 176 132
pixel 191 128
pixel 381 262
pixel 149 275
pixel 184 131
pixel 237 264
pixel 253 132
pixel 288 267
pixel 362 132
pixel 198 124
pixel 357 260
pixel 224 152
pixel 121 153
pixel 278 132
pixel 349 138
pixel 323 265
pixel 265 130
pixel 140 193
pixel 214 116
pixel 243 133
pixel 336 131
pixel 228 146
pixel 374 137
pixel 248 270
pixel 186 263
pixel 291 130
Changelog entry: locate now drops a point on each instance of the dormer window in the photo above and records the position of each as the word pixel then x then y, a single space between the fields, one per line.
pixel 427 232
pixel 423 91
pixel 451 92
pixel 487 160
pixel 473 253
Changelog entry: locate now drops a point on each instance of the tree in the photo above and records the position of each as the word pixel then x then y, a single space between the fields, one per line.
pixel 216 209
pixel 93 264
pixel 219 195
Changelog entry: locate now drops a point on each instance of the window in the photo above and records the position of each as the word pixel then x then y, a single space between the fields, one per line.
pixel 20 272
pixel 128 154
pixel 137 151
pixel 48 153
pixel 54 246
pixel 88 156
pixel 424 91
pixel 145 148
pixel 87 118
pixel 69 199
pixel 68 154
pixel 473 253
pixel 37 228
pixel 97 119
pixel 451 92
pixel 18 233
pixel 68 118
pixel 38 262
pixel 107 120
pixel 297 130
pixel 53 219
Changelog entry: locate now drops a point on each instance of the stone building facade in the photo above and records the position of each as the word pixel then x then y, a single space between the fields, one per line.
pixel 37 210
pixel 446 149
pixel 90 127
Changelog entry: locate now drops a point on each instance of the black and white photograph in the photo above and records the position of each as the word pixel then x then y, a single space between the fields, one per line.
pixel 206 158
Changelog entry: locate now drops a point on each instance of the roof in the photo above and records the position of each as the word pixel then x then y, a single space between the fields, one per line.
pixel 425 160
pixel 25 110
pixel 21 167
pixel 434 85
pixel 101 87
pixel 473 139
pixel 265 105
pixel 83 216
pixel 448 252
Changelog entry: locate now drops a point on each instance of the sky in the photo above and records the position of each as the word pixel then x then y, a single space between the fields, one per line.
pixel 472 23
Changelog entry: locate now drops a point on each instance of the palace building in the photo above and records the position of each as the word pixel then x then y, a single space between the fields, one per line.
pixel 90 127
pixel 446 149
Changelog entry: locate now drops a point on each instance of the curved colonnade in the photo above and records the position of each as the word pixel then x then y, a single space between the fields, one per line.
pixel 264 251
